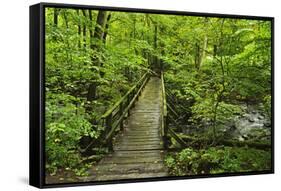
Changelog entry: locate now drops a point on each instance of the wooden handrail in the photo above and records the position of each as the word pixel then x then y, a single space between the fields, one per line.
pixel 108 112
pixel 114 117
pixel 164 127
pixel 164 95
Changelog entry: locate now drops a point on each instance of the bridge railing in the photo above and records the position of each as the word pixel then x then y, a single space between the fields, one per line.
pixel 114 117
pixel 164 124
pixel 167 118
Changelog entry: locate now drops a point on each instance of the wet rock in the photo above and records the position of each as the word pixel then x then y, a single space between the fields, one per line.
pixel 250 119
pixel 240 138
pixel 260 117
pixel 250 125
pixel 254 112
pixel 232 127
pixel 267 124
pixel 245 137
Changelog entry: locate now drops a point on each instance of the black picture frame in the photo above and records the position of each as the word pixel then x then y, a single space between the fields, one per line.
pixel 37 92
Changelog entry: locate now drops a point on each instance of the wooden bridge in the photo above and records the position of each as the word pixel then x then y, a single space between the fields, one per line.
pixel 136 134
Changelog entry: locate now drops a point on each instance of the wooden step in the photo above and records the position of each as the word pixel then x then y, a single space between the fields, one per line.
pixel 128 176
pixel 138 147
pixel 109 169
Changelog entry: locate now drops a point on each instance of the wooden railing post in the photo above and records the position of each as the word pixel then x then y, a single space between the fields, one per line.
pixel 120 114
pixel 165 138
pixel 108 123
pixel 164 114
pixel 133 93
pixel 128 102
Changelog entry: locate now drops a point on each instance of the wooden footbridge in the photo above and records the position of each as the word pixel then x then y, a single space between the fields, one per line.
pixel 136 134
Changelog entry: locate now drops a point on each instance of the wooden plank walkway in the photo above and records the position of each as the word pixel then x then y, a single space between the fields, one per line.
pixel 138 149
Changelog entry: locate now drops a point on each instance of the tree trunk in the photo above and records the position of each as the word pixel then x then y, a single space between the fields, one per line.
pixel 155 46
pixel 91 29
pixel 202 52
pixel 84 30
pixel 56 15
pixel 96 40
pixel 100 24
pixel 197 56
pixel 79 30
pixel 106 28
pixel 204 46
pixel 65 18
pixel 56 18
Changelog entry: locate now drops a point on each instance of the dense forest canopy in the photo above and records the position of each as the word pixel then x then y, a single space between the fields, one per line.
pixel 214 69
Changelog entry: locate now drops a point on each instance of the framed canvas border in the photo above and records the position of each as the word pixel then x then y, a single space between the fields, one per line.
pixel 37 93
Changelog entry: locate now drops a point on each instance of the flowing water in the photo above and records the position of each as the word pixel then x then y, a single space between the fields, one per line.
pixel 253 124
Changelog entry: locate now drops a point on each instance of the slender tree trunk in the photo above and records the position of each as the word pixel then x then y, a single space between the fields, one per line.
pixel 91 30
pixel 56 15
pixel 99 36
pixel 215 51
pixel 204 46
pixel 93 87
pixel 84 30
pixel 147 38
pixel 221 92
pixel 197 56
pixel 100 24
pixel 56 18
pixel 106 28
pixel 202 52
pixel 79 30
pixel 155 46
pixel 65 18
pixel 84 36
pixel 161 46
pixel 96 40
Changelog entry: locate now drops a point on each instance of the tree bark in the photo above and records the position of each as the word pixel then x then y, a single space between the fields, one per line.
pixel 56 15
pixel 96 40
pixel 79 30
pixel 204 46
pixel 106 29
pixel 99 29
pixel 84 30
pixel 197 56
pixel 202 53
pixel 91 29
pixel 155 46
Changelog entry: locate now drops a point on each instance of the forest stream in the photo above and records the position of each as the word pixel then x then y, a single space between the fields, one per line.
pixel 251 125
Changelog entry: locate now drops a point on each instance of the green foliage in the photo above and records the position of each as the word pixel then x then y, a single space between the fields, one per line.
pixel 235 68
pixel 77 60
pixel 211 66
pixel 218 160
pixel 267 105
pixel 65 125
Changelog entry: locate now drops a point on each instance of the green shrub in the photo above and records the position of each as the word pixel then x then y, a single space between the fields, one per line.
pixel 65 126
pixel 217 160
